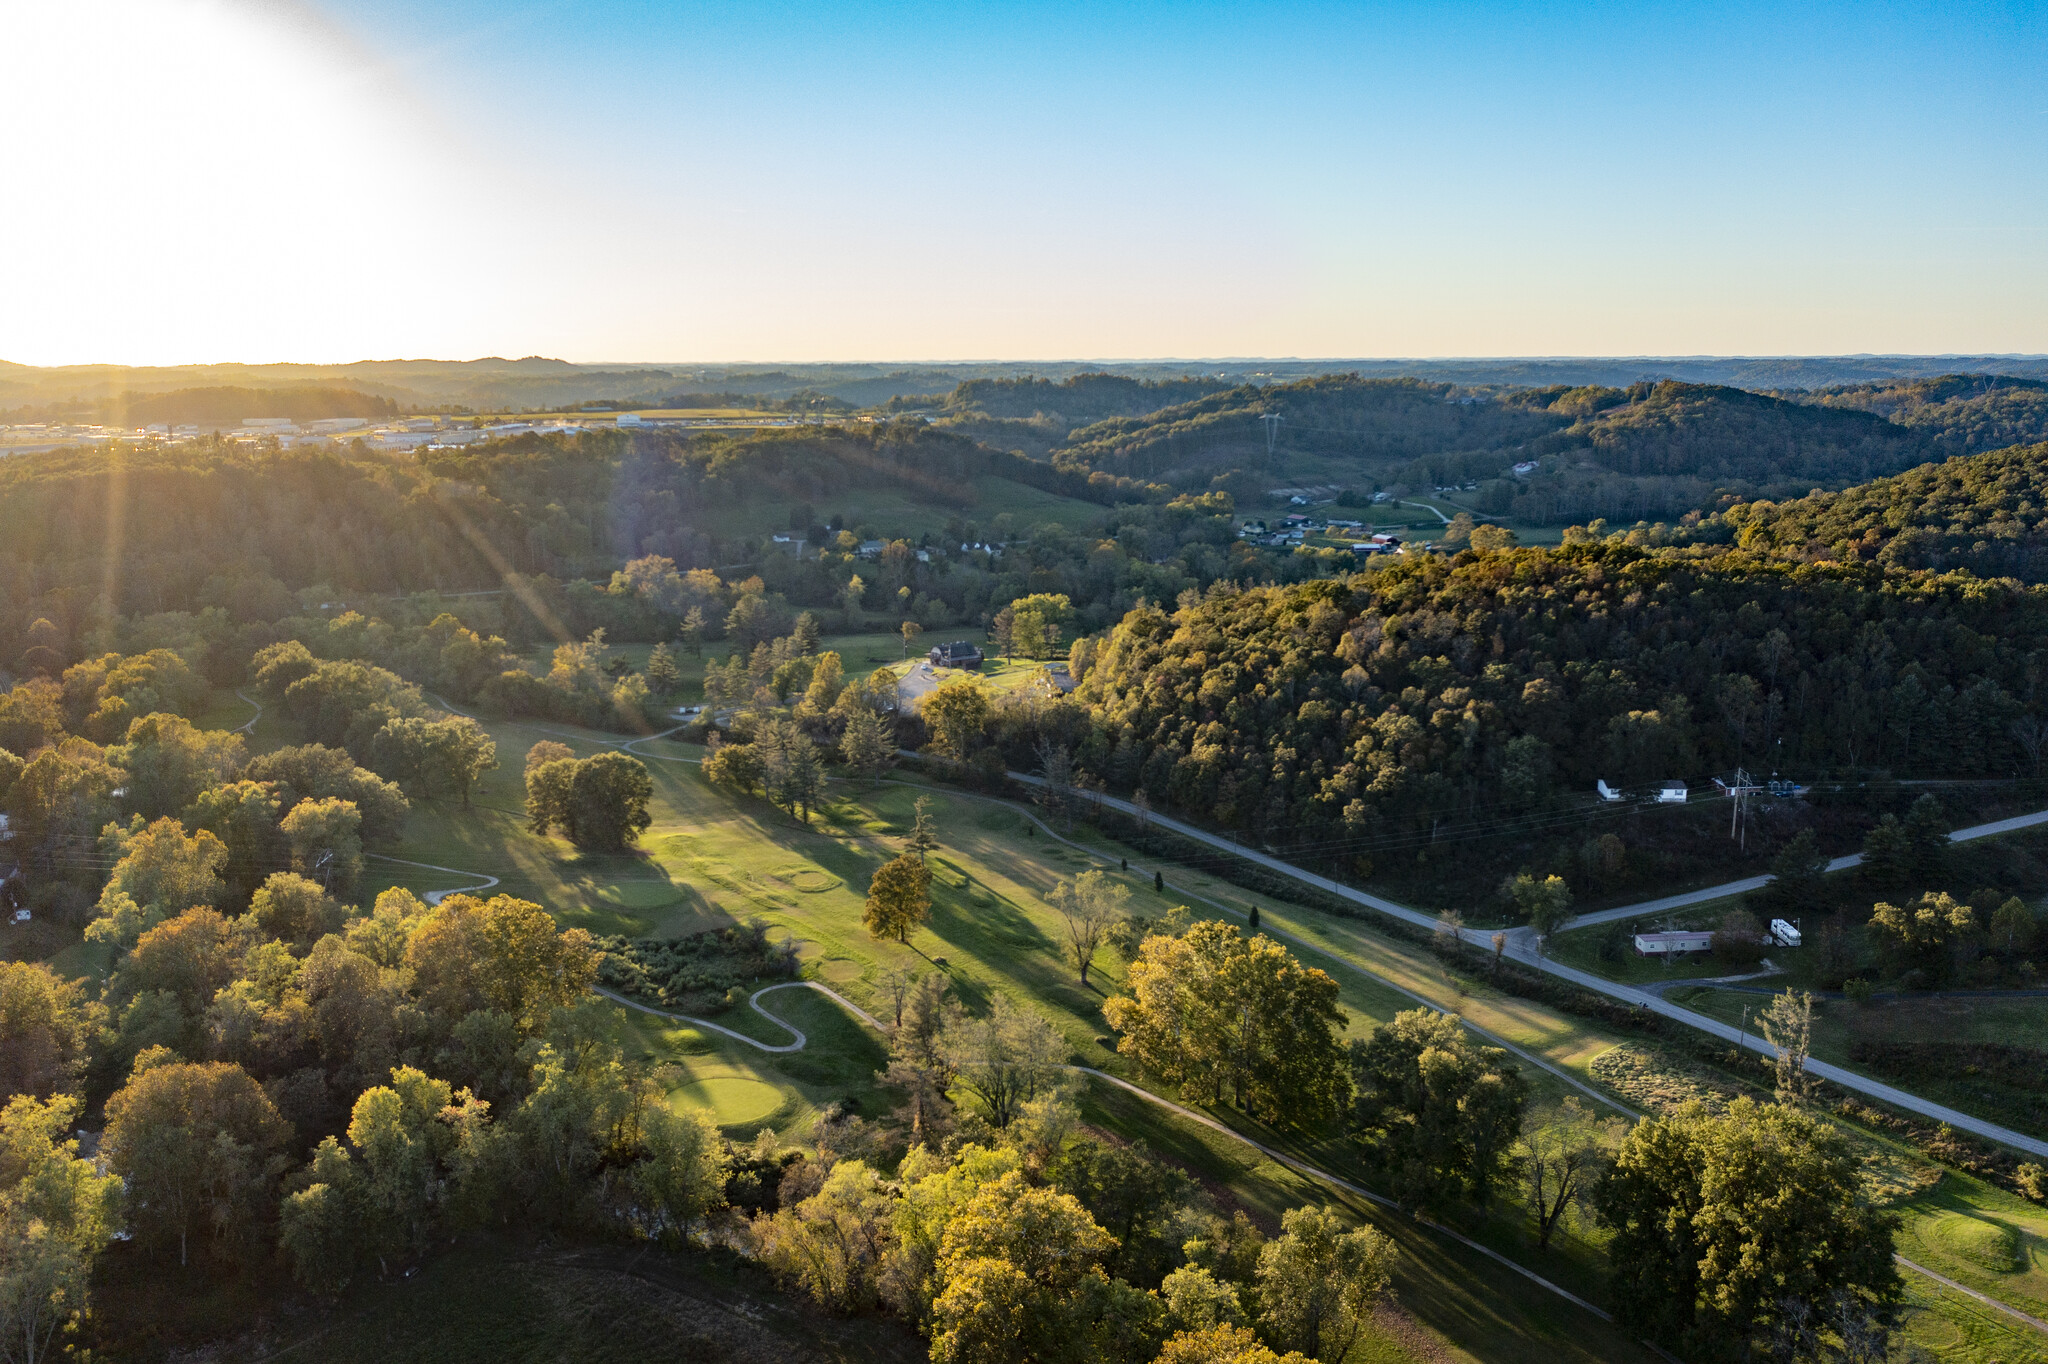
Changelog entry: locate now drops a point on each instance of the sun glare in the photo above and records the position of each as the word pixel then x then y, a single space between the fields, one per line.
pixel 217 179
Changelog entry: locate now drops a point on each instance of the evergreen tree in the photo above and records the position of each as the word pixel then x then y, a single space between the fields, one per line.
pixel 663 676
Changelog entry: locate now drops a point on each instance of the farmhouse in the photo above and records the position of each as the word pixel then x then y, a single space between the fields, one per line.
pixel 958 654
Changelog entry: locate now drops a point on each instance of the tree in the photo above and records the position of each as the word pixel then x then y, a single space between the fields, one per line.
pixel 1739 938
pixel 546 751
pixel 680 1177
pixel 1493 537
pixel 828 679
pixel 867 746
pixel 326 841
pixel 1318 1284
pixel 917 1055
pixel 910 630
pixel 1447 1111
pixel 314 772
pixel 1563 1164
pixel 1797 874
pixel 957 712
pixel 57 1213
pixel 849 601
pixel 169 762
pixel 47 1028
pixel 320 1226
pixel 1720 1220
pixel 1788 1026
pixel 1546 903
pixel 599 803
pixel 663 676
pixel 791 772
pixel 924 834
pixel 737 766
pixel 1887 853
pixel 196 1145
pixel 1927 841
pixel 160 872
pixel 1923 934
pixel 832 1245
pixel 293 909
pixel 899 898
pixel 1223 1343
pixel 1211 1008
pixel 501 953
pixel 398 1132
pixel 1136 1197
pixel 692 633
pixel 1020 1278
pixel 2013 927
pixel 1088 905
pixel 1005 1058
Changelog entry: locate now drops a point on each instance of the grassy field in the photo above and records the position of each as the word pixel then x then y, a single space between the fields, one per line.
pixel 894 512
pixel 712 860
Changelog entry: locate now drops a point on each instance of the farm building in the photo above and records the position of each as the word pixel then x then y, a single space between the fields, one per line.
pixel 1672 940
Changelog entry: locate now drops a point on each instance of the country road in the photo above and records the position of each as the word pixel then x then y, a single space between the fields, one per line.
pixel 1522 948
pixel 1749 883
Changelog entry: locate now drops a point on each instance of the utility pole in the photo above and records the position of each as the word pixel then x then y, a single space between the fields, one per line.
pixel 1271 421
pixel 1740 791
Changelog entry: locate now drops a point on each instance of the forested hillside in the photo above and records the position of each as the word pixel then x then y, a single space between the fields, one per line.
pixel 1079 399
pixel 1335 415
pixel 1964 413
pixel 1986 513
pixel 1433 689
pixel 244 527
pixel 1651 434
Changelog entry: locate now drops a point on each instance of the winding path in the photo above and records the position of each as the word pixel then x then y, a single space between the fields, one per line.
pixel 754 1001
pixel 434 897
pixel 250 723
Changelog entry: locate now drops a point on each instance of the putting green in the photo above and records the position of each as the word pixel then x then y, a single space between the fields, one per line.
pixel 1988 1245
pixel 735 1100
pixel 809 880
pixel 637 895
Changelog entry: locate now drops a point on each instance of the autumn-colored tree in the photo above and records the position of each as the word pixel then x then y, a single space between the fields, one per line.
pixel 957 712
pixel 196 1144
pixel 47 1028
pixel 899 898
pixel 160 872
pixel 501 953
pixel 1210 1008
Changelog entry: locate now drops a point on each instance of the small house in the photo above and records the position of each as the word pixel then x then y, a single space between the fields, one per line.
pixel 958 654
pixel 1606 792
pixel 1674 940
pixel 1671 793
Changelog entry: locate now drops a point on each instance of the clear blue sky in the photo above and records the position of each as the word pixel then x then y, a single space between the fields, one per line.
pixel 608 180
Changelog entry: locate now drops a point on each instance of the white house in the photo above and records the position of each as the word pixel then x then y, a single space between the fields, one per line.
pixel 1673 940
pixel 1671 793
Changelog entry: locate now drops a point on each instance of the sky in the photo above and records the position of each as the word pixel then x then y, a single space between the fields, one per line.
pixel 331 180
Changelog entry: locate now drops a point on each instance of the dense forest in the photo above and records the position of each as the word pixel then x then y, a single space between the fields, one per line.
pixel 1986 513
pixel 1965 413
pixel 1354 715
